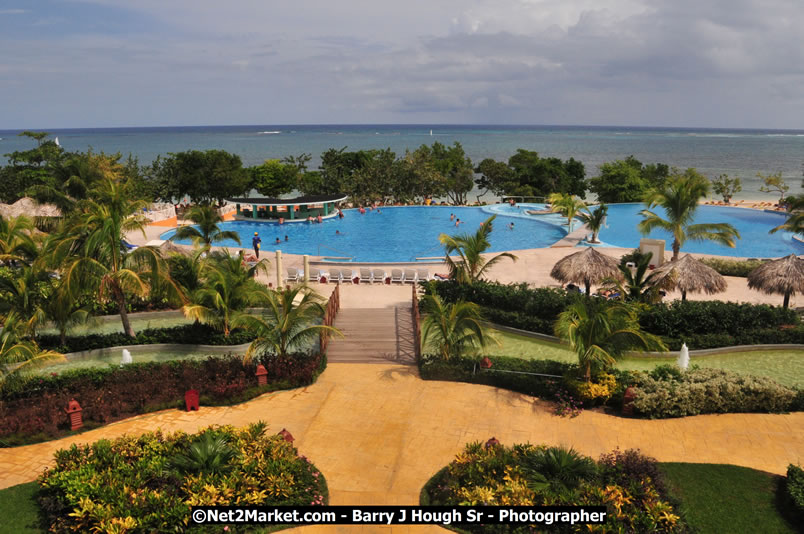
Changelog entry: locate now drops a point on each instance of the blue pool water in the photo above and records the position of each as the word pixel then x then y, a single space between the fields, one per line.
pixel 396 234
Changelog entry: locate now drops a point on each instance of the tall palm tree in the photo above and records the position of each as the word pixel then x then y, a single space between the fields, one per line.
pixel 795 220
pixel 594 219
pixel 65 312
pixel 471 266
pixel 285 325
pixel 567 205
pixel 75 177
pixel 228 288
pixel 16 241
pixel 679 197
pixel 22 294
pixel 208 232
pixel 18 354
pixel 452 329
pixel 600 332
pixel 89 248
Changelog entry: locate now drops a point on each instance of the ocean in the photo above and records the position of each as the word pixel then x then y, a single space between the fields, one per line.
pixel 740 153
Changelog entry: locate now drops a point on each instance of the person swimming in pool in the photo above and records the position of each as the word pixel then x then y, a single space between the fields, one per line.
pixel 510 226
pixel 277 241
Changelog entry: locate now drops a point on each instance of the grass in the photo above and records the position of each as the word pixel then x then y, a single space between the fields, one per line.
pixel 784 366
pixel 726 498
pixel 19 510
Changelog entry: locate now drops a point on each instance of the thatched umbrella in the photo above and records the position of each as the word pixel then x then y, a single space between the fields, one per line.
pixel 169 247
pixel 586 267
pixel 784 276
pixel 688 274
pixel 28 207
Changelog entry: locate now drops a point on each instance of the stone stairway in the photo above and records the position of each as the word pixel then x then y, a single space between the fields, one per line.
pixel 373 335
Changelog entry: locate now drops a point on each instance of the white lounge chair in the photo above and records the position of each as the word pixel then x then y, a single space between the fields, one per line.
pixel 293 275
pixel 397 276
pixel 365 275
pixel 422 275
pixel 409 277
pixel 378 276
pixel 315 275
pixel 347 276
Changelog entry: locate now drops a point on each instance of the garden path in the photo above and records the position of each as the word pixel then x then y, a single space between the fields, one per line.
pixel 378 432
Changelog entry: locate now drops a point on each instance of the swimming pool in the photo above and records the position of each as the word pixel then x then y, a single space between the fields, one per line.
pixel 394 234
pixel 753 225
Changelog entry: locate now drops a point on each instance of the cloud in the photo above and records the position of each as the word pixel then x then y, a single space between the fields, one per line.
pixel 13 11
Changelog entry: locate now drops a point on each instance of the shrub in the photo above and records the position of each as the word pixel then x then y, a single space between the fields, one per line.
pixel 701 391
pixel 36 410
pixel 128 484
pixel 732 267
pixel 794 489
pixel 597 391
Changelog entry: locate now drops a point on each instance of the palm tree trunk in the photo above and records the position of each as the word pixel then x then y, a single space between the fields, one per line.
pixel 62 337
pixel 683 296
pixel 121 305
pixel 676 249
pixel 588 285
pixel 786 300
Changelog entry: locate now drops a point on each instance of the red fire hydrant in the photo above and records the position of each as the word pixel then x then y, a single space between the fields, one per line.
pixel 191 399
pixel 628 401
pixel 287 436
pixel 262 375
pixel 493 442
pixel 485 363
pixel 74 411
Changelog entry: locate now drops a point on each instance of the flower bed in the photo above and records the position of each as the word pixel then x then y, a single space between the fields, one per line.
pixel 148 483
pixel 35 411
pixel 627 483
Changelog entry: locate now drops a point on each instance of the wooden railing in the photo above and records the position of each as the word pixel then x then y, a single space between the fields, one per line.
pixel 417 325
pixel 333 305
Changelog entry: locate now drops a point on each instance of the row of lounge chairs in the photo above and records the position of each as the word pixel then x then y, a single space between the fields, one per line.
pixel 362 275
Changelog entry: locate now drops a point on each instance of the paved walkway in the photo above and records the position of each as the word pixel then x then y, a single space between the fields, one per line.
pixel 378 432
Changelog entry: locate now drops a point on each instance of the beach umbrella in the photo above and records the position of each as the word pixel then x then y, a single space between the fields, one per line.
pixel 683 357
pixel 169 247
pixel 784 276
pixel 586 267
pixel 28 207
pixel 690 275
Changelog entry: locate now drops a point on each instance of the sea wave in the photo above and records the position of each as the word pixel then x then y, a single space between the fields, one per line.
pixel 268 133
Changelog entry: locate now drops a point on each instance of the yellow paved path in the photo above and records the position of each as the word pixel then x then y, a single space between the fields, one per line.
pixel 378 432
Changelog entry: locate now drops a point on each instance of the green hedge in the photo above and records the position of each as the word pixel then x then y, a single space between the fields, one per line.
pixel 192 334
pixel 667 392
pixel 732 267
pixel 794 489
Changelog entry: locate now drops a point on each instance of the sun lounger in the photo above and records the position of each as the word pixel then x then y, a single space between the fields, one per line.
pixel 378 276
pixel 347 276
pixel 422 275
pixel 409 277
pixel 316 275
pixel 397 276
pixel 293 275
pixel 365 275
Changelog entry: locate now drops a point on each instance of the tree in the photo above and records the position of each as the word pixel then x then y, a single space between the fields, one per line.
pixel 774 183
pixel 227 289
pixel 18 354
pixel 208 176
pixel 535 176
pixel 627 180
pixel 726 187
pixel 567 205
pixel 287 322
pixel 453 330
pixel 90 252
pixel 23 294
pixel 274 178
pixel 679 197
pixel 456 168
pixel 73 178
pixel 16 242
pixel 208 231
pixel 795 219
pixel 65 312
pixel 600 331
pixel 638 283
pixel 494 175
pixel 471 266
pixel 594 219
pixel 29 168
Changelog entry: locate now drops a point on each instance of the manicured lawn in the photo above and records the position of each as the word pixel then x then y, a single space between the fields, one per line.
pixel 19 511
pixel 726 498
pixel 784 366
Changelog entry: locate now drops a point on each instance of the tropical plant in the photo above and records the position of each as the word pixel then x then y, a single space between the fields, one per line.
pixel 453 329
pixel 600 332
pixel 65 312
pixel 471 266
pixel 563 468
pixel 679 197
pixel 726 187
pixel 18 354
pixel 210 454
pixel 774 183
pixel 208 231
pixel 594 220
pixel 567 205
pixel 285 325
pixel 93 258
pixel 795 220
pixel 24 294
pixel 74 178
pixel 635 285
pixel 16 243
pixel 228 288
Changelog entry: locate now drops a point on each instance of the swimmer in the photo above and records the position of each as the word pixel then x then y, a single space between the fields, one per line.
pixel 286 238
pixel 277 241
pixel 451 217
pixel 511 226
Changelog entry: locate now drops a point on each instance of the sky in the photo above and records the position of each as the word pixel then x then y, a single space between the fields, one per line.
pixel 685 63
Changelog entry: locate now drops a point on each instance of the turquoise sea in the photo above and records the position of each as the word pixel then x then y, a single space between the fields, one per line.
pixel 741 153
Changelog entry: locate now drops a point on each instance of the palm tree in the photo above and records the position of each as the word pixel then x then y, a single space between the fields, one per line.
pixel 16 243
pixel 208 232
pixel 22 295
pixel 635 285
pixel 594 219
pixel 285 325
pixel 795 220
pixel 65 312
pixel 17 354
pixel 600 332
pixel 471 266
pixel 452 329
pixel 90 250
pixel 679 196
pixel 76 176
pixel 228 288
pixel 567 205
